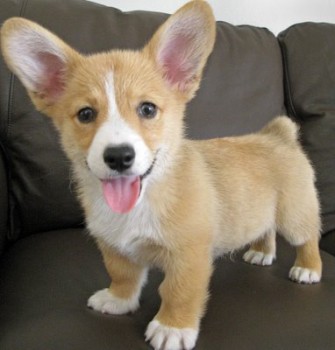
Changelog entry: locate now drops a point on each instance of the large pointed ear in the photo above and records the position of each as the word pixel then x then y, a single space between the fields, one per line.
pixel 39 58
pixel 182 45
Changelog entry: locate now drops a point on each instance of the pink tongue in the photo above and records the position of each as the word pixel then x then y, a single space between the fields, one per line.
pixel 121 193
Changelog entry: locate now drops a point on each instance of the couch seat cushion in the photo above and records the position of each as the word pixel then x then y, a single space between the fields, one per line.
pixel 46 280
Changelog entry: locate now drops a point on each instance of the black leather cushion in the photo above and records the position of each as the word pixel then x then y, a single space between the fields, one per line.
pixel 243 84
pixel 41 193
pixel 3 201
pixel 309 58
pixel 47 278
pixel 241 91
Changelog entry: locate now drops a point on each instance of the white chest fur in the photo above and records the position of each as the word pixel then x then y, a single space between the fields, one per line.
pixel 125 232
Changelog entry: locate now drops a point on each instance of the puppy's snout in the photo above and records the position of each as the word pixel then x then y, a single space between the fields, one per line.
pixel 119 158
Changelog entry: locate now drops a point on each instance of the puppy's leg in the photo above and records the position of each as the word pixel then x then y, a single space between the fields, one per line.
pixel 184 293
pixel 263 251
pixel 308 266
pixel 299 222
pixel 127 281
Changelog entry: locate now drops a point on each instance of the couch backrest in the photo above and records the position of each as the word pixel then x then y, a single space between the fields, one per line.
pixel 309 61
pixel 241 90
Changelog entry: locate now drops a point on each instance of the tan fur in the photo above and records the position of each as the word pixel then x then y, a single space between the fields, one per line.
pixel 308 256
pixel 126 275
pixel 266 244
pixel 216 196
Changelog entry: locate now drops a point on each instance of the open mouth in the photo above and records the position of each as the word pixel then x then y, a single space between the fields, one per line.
pixel 149 170
pixel 122 192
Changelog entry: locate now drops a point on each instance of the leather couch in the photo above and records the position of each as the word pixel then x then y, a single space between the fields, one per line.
pixel 49 265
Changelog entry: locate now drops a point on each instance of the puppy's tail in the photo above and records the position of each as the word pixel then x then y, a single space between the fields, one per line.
pixel 284 129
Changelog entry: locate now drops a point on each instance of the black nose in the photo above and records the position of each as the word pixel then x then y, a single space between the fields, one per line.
pixel 119 158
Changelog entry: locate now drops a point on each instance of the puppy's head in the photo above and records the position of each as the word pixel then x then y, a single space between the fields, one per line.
pixel 119 113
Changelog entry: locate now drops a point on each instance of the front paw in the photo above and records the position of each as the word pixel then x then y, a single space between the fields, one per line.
pixel 170 338
pixel 105 302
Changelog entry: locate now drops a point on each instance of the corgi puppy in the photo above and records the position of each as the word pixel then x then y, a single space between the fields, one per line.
pixel 152 197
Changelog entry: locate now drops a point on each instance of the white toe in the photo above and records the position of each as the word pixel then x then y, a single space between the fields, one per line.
pixel 170 338
pixel 258 258
pixel 105 302
pixel 304 275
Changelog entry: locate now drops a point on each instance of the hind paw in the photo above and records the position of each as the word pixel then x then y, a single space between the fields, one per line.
pixel 304 275
pixel 258 258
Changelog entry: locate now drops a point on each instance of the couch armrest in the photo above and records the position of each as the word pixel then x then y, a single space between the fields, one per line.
pixel 3 200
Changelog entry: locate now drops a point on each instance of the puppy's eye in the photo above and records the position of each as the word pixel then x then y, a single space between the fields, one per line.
pixel 87 115
pixel 147 110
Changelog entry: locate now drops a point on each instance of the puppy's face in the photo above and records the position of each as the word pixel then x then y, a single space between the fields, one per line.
pixel 122 124
pixel 119 113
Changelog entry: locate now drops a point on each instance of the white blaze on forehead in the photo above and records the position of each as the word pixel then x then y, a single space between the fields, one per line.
pixel 119 130
pixel 116 131
pixel 110 92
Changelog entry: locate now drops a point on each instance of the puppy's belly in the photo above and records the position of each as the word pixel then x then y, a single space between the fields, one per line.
pixel 233 240
pixel 236 231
